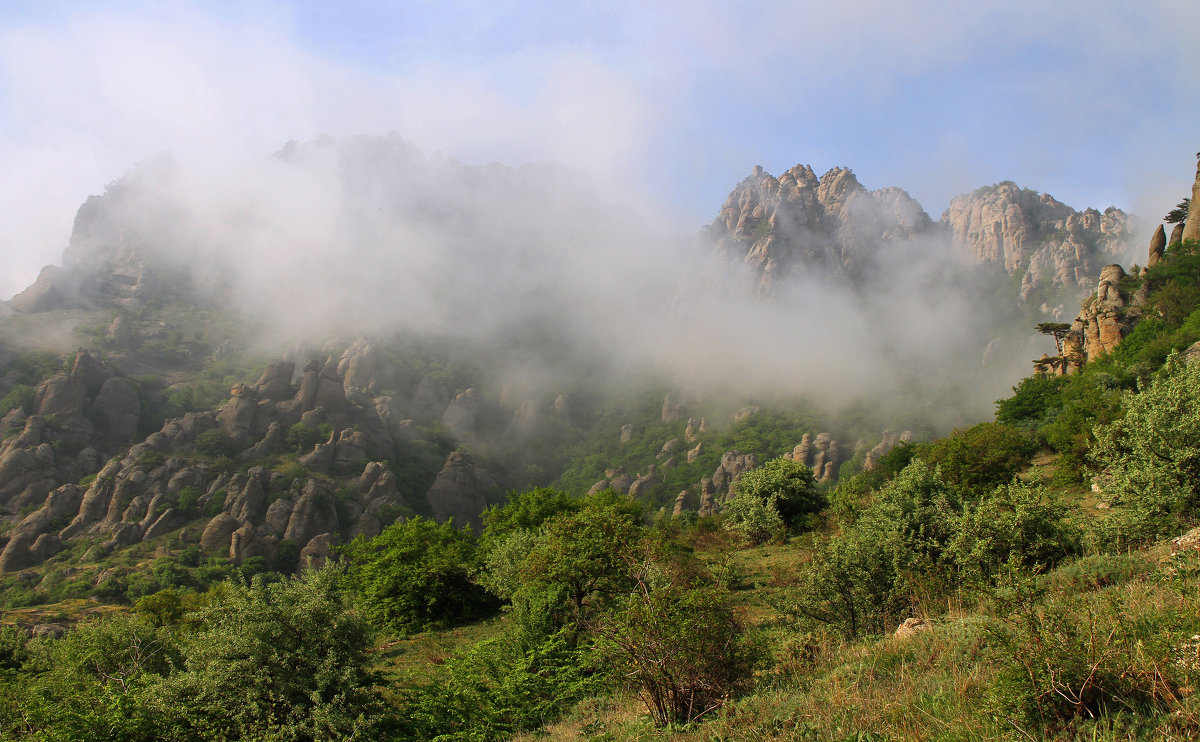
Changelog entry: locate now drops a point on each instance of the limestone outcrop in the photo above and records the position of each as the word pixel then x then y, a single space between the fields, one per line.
pixel 1191 227
pixel 461 491
pixel 1104 321
pixel 1019 229
pixel 776 227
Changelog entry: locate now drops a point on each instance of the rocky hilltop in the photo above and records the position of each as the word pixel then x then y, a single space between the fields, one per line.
pixel 777 227
pixel 832 226
pixel 1045 241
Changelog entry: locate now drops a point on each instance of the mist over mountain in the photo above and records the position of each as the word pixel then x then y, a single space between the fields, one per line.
pixel 800 283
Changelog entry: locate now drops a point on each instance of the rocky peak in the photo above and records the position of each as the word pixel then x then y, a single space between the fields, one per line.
pixel 1191 227
pixel 1020 229
pixel 778 226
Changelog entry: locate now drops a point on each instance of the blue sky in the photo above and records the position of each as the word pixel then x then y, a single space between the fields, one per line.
pixel 668 103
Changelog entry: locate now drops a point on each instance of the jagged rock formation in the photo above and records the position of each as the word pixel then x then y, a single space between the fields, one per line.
pixel 1103 322
pixel 724 479
pixel 1191 227
pixel 115 257
pixel 158 486
pixel 1019 229
pixel 822 455
pixel 881 449
pixel 461 491
pixel 614 479
pixel 777 226
pixel 1106 318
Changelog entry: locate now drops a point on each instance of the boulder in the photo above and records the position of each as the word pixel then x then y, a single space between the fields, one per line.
pixel 316 552
pixel 460 416
pixel 217 534
pixel 320 459
pixel 275 383
pixel 313 513
pixel 460 491
pixel 1157 244
pixel 911 627
pixel 117 410
pixel 643 485
pixel 350 450
pixel 279 514
pixel 237 416
pixel 171 519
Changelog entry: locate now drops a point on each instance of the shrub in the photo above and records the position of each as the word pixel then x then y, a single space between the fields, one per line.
pixel 216 443
pixel 21 395
pixel 495 689
pixel 284 660
pixel 680 648
pixel 1018 526
pixel 416 575
pixel 1152 453
pixel 1034 399
pixel 982 456
pixel 757 519
pixel 789 482
pixel 1090 656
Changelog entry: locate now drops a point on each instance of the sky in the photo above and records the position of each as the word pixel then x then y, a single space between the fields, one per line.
pixel 667 105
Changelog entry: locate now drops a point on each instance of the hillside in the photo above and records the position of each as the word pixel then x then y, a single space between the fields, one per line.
pixel 200 447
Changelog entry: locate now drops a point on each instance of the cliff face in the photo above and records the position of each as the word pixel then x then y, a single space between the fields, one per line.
pixel 833 226
pixel 1020 229
pixel 775 227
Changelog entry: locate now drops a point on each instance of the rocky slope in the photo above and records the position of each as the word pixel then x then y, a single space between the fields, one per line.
pixel 1119 303
pixel 340 488
pixel 87 461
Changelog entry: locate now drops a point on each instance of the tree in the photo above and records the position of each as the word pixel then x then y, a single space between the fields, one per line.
pixel 417 575
pixel 674 637
pixel 525 511
pixel 276 661
pixel 216 443
pixel 584 557
pixel 1178 215
pixel 981 457
pixel 790 482
pixel 1057 330
pixel 682 650
pixel 1151 455
pixel 1018 525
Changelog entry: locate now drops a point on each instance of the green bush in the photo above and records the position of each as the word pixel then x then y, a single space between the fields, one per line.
pixel 217 443
pixel 679 647
pixel 1034 399
pixel 20 396
pixel 982 456
pixel 757 519
pixel 416 575
pixel 1151 455
pixel 1017 527
pixel 284 660
pixel 1071 659
pixel 790 484
pixel 495 689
